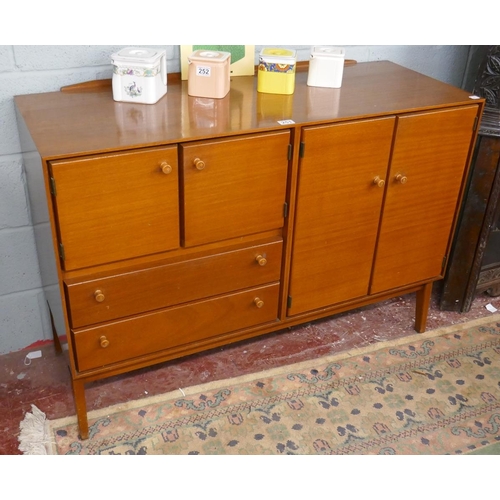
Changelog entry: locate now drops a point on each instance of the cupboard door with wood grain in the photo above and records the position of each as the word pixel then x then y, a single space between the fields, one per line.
pixel 234 187
pixel 340 191
pixel 430 156
pixel 116 206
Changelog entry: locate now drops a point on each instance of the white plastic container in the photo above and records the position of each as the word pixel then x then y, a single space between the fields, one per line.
pixel 209 73
pixel 326 67
pixel 139 75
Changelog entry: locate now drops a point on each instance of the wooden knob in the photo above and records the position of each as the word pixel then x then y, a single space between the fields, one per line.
pixel 199 164
pixel 99 296
pixel 379 182
pixel 261 260
pixel 103 341
pixel 166 168
pixel 401 178
pixel 258 302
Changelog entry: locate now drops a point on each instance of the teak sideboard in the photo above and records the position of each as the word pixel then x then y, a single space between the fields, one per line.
pixel 168 229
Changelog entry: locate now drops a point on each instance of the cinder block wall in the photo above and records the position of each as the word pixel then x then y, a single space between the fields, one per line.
pixel 44 68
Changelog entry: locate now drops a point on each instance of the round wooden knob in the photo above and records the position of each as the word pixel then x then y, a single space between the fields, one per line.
pixel 103 341
pixel 199 164
pixel 401 178
pixel 166 168
pixel 258 302
pixel 99 296
pixel 379 182
pixel 261 260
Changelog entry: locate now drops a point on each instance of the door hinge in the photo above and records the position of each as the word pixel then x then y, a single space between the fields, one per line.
pixel 301 149
pixel 476 121
pixel 53 190
pixel 285 210
pixel 62 255
pixel 290 152
pixel 443 264
pixel 289 302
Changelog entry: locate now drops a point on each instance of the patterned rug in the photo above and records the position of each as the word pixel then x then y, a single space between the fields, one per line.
pixel 434 393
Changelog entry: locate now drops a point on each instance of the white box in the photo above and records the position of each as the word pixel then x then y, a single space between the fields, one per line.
pixel 139 75
pixel 326 67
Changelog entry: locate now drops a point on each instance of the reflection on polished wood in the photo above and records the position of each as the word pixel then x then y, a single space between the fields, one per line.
pixel 122 125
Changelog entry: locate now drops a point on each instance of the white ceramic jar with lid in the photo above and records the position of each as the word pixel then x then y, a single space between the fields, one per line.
pixel 326 67
pixel 139 75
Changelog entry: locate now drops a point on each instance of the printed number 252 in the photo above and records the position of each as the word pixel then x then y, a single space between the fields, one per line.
pixel 203 71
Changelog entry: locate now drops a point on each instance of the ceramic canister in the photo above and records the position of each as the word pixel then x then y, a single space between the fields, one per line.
pixel 276 72
pixel 139 75
pixel 326 67
pixel 209 73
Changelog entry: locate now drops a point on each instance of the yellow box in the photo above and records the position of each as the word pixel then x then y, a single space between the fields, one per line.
pixel 276 73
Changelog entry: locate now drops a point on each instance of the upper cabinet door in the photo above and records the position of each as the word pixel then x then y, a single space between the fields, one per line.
pixel 117 206
pixel 234 187
pixel 427 170
pixel 341 187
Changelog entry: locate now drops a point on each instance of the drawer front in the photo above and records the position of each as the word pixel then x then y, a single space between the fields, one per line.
pixel 180 326
pixel 126 294
pixel 234 187
pixel 117 206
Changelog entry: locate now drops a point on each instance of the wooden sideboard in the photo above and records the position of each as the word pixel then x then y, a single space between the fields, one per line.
pixel 167 229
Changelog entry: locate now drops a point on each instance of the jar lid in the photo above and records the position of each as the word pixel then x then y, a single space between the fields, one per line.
pixel 137 55
pixel 209 55
pixel 278 56
pixel 332 52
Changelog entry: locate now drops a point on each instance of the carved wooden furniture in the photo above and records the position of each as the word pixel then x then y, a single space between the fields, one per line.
pixel 188 224
pixel 474 264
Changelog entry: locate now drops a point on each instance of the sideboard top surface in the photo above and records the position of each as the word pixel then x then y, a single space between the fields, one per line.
pixel 65 124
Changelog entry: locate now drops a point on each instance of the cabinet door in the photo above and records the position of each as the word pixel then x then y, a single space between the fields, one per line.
pixel 117 206
pixel 340 192
pixel 234 187
pixel 427 169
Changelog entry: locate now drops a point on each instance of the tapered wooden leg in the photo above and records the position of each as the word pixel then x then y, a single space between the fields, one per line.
pixel 81 408
pixel 57 342
pixel 422 307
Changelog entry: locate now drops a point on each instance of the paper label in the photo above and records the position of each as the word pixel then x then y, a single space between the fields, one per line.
pixel 203 70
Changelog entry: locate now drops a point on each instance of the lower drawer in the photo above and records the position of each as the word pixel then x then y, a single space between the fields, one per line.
pixel 179 326
pixel 126 294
